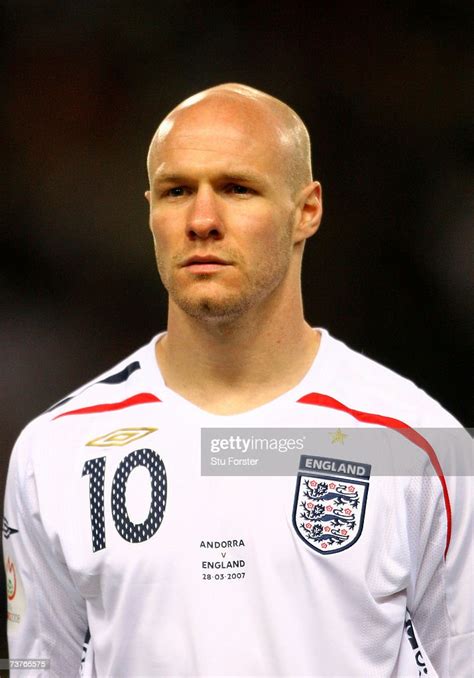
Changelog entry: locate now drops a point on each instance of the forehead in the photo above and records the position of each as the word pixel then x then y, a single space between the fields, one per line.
pixel 219 132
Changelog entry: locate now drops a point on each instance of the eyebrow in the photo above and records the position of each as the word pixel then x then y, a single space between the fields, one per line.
pixel 236 177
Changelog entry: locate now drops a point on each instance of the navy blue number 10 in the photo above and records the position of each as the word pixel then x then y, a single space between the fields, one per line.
pixel 128 530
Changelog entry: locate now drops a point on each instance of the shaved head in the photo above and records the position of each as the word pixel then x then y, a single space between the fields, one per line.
pixel 257 110
pixel 230 177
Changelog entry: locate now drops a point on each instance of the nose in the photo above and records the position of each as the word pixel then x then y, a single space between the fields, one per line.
pixel 204 218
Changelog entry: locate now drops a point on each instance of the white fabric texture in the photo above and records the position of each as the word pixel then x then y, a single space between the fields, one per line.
pixel 120 537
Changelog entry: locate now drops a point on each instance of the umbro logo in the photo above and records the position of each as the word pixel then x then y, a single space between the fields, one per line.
pixel 121 437
pixel 7 530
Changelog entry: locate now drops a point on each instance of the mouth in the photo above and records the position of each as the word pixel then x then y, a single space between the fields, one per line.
pixel 204 264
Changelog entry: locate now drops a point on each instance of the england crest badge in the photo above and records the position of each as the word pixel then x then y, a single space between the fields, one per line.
pixel 330 501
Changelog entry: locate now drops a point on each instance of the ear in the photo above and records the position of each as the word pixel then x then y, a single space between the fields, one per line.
pixel 310 211
pixel 150 219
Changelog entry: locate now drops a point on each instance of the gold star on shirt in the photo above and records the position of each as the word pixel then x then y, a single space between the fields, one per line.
pixel 338 437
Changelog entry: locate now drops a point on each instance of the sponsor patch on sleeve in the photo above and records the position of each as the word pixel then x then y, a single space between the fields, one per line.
pixel 16 601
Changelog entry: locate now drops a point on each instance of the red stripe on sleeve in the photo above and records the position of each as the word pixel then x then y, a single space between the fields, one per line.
pixel 399 426
pixel 139 399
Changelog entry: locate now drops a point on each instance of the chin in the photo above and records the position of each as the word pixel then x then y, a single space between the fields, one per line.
pixel 211 308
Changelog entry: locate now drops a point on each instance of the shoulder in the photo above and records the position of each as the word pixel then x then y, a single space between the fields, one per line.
pixel 365 385
pixel 126 381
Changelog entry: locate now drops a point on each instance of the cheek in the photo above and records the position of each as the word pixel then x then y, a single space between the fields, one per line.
pixel 162 236
pixel 256 225
pixel 271 237
pixel 162 250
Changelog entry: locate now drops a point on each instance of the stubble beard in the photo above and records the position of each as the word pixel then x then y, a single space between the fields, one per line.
pixel 229 305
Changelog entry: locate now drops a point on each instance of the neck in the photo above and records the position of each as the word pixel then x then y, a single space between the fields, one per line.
pixel 234 366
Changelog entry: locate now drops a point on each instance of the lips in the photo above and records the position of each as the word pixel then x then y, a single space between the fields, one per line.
pixel 204 264
pixel 198 260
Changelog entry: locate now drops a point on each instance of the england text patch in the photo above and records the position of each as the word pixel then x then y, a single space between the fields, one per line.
pixel 330 500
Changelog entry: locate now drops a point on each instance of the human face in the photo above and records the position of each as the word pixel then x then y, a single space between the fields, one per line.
pixel 221 212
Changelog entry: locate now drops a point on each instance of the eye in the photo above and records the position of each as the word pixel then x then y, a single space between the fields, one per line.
pixel 238 189
pixel 175 192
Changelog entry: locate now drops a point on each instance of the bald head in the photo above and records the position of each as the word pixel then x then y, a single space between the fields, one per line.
pixel 256 111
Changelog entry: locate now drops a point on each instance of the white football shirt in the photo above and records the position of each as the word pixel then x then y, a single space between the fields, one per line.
pixel 316 535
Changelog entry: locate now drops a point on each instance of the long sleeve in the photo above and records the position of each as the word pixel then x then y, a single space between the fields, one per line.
pixel 46 614
pixel 441 600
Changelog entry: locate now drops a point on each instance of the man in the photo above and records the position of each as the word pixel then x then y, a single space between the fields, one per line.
pixel 120 532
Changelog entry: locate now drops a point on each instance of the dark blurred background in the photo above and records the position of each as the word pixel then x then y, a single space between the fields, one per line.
pixel 387 95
